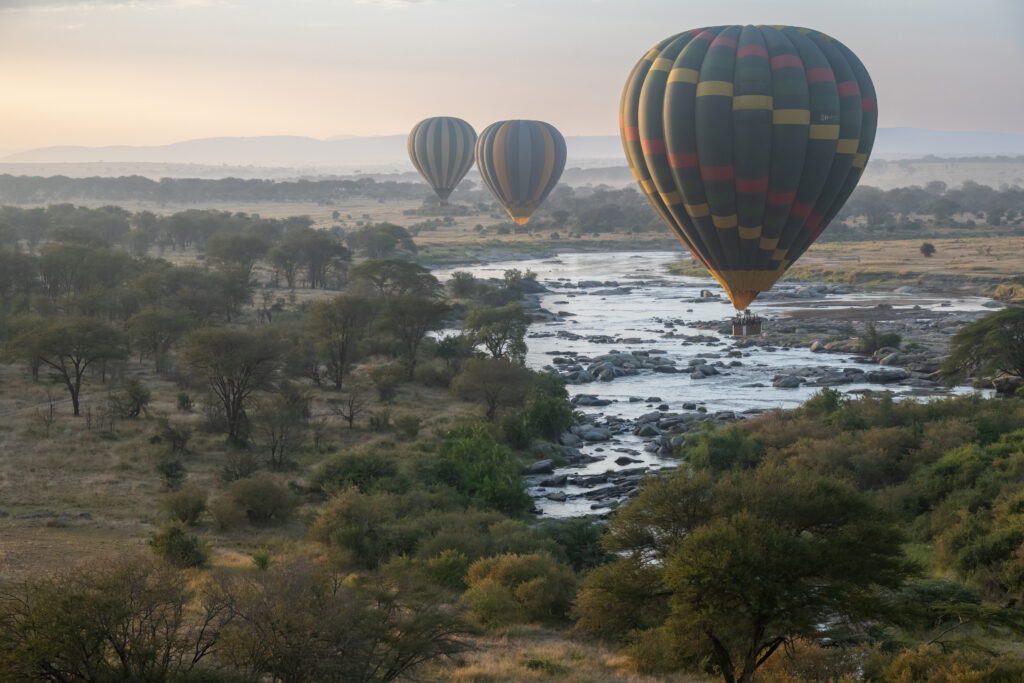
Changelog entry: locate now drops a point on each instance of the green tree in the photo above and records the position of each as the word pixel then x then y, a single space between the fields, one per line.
pixel 239 250
pixel 474 464
pixel 989 346
pixel 746 564
pixel 409 317
pixel 493 382
pixel 339 325
pixel 502 331
pixel 70 346
pixel 927 249
pixel 395 277
pixel 155 331
pixel 234 364
pixel 381 240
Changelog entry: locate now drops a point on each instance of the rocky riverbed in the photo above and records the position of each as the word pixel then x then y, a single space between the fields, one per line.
pixel 648 357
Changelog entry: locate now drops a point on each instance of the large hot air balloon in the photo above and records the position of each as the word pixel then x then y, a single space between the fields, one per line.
pixel 747 140
pixel 441 149
pixel 520 161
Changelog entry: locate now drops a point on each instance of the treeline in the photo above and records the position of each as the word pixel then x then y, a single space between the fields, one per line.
pixel 41 190
pixel 933 210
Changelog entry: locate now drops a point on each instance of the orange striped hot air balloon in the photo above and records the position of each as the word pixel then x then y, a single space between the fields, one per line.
pixel 521 162
pixel 747 140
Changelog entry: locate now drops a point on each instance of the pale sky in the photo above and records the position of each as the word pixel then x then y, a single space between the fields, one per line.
pixel 141 72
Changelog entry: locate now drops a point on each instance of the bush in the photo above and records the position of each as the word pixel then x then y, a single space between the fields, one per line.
pixel 179 548
pixel 264 500
pixel 872 340
pixel 239 463
pixel 386 379
pixel 472 463
pixel 227 514
pixel 380 421
pixel 409 425
pixel 449 569
pixel 132 400
pixel 174 435
pixel 184 402
pixel 172 472
pixel 369 471
pixel 185 506
pixel 512 587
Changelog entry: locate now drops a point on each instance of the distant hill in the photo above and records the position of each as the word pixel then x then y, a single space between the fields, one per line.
pixel 389 150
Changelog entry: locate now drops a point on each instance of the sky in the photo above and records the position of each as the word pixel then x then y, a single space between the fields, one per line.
pixel 151 72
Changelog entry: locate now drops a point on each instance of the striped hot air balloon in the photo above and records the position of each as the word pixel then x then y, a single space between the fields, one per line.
pixel 748 140
pixel 520 161
pixel 441 149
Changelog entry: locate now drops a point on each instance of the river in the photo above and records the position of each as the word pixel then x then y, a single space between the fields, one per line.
pixel 631 300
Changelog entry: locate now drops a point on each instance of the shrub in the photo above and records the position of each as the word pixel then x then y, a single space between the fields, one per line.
pixel 172 472
pixel 239 463
pixel 132 400
pixel 386 379
pixel 512 587
pixel 174 435
pixel 449 569
pixel 380 421
pixel 370 528
pixel 471 462
pixel 226 513
pixel 409 425
pixel 872 340
pixel 178 547
pixel 369 471
pixel 264 500
pixel 185 506
pixel 184 402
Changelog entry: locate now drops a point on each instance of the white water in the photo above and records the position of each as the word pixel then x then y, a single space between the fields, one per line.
pixel 655 297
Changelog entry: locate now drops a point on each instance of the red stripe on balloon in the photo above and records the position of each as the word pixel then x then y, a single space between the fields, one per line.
pixel 801 210
pixel 716 172
pixel 820 74
pixel 704 35
pixel 653 146
pixel 781 198
pixel 868 104
pixel 814 220
pixel 783 61
pixel 723 41
pixel 747 185
pixel 848 88
pixel 688 160
pixel 752 51
pixel 632 133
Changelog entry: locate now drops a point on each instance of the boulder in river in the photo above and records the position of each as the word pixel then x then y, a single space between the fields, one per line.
pixel 787 382
pixel 541 467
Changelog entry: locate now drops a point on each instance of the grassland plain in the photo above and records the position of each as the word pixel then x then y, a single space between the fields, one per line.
pixel 967 265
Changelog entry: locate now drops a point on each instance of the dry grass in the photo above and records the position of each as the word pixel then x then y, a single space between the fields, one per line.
pixel 73 491
pixel 532 654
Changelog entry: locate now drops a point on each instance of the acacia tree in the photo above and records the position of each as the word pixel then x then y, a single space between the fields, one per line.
pixel 495 382
pixel 339 325
pixel 395 277
pixel 727 571
pixel 989 346
pixel 502 331
pixel 70 346
pixel 234 364
pixel 409 317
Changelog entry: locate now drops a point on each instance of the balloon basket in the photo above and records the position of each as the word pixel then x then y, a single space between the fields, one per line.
pixel 746 324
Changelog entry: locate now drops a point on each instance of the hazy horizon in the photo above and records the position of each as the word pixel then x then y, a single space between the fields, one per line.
pixel 154 72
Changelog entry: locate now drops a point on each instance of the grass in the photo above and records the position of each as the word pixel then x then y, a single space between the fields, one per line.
pixel 534 654
pixel 974 264
pixel 72 493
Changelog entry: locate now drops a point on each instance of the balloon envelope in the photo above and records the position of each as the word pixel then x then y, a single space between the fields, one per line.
pixel 747 140
pixel 521 162
pixel 441 149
